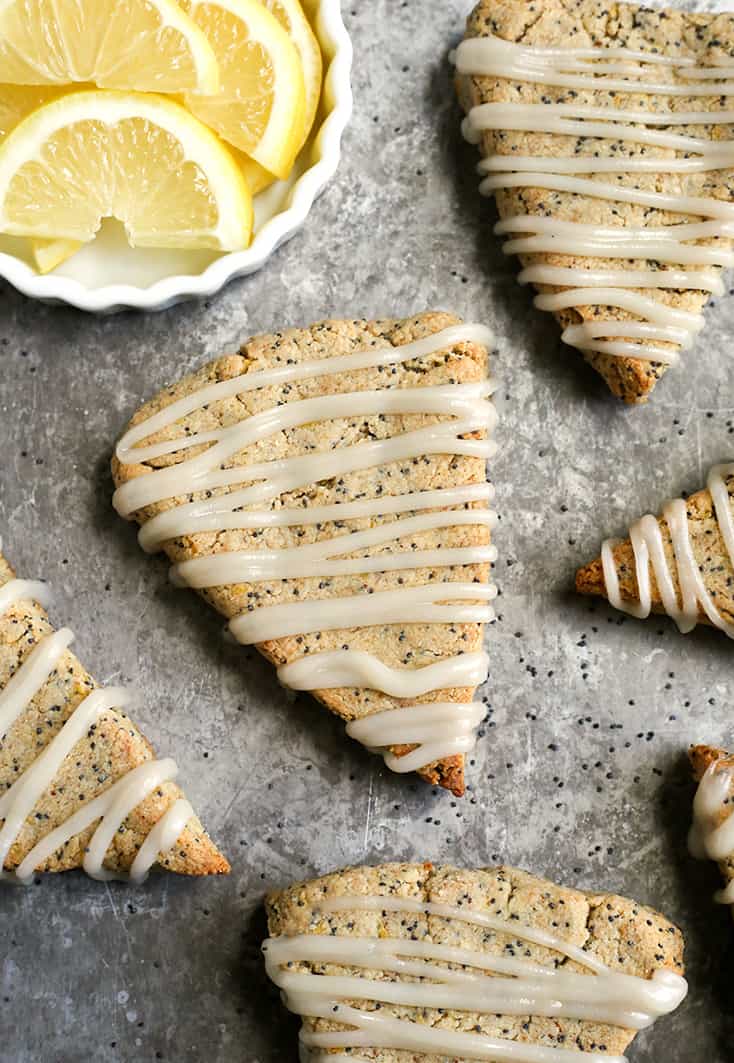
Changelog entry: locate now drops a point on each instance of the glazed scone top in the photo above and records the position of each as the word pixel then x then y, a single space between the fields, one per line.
pixel 616 255
pixel 370 437
pixel 680 563
pixel 388 925
pixel 712 831
pixel 79 785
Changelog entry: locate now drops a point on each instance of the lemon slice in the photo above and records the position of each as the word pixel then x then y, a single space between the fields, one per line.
pixel 134 44
pixel 260 107
pixel 256 176
pixel 292 18
pixel 16 103
pixel 48 254
pixel 140 158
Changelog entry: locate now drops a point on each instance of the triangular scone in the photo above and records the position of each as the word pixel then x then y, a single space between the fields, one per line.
pixel 519 132
pixel 713 770
pixel 353 415
pixel 109 749
pixel 680 563
pixel 350 952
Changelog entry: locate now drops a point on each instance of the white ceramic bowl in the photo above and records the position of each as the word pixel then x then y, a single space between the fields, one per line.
pixel 108 275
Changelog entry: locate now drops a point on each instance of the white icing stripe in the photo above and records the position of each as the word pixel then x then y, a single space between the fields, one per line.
pixel 487 983
pixel 490 56
pixel 464 409
pixel 127 449
pixel 438 729
pixel 662 322
pixel 373 1029
pixel 17 803
pixel 135 787
pixel 638 304
pixel 356 668
pixel 579 120
pixel 698 205
pixel 535 935
pixel 650 555
pixel 712 837
pixel 702 280
pixel 161 839
pixel 114 805
pixel 626 245
pixel 407 605
pixel 623 164
pixel 239 566
pixel 17 590
pixel 613 236
pixel 166 525
pixel 28 680
pixel 289 473
pixel 569 68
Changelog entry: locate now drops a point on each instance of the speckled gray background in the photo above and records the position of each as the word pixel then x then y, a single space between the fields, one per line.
pixel 580 775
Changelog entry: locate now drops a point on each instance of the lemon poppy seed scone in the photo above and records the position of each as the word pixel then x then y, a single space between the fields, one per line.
pixel 680 563
pixel 712 832
pixel 606 137
pixel 325 489
pixel 410 963
pixel 79 785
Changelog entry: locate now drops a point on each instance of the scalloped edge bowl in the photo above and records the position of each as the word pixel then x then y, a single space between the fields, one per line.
pixel 280 211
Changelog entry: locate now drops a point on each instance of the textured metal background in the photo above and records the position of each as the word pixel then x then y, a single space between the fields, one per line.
pixel 581 774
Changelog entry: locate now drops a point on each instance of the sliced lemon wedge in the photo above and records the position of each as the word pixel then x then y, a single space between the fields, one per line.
pixel 16 103
pixel 256 176
pixel 291 16
pixel 142 159
pixel 260 107
pixel 48 254
pixel 147 45
pixel 293 20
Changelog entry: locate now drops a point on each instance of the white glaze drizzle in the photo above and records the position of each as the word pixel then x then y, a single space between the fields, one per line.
pixel 438 730
pixel 532 234
pixel 488 983
pixel 712 838
pixel 649 555
pixel 113 806
pixel 356 668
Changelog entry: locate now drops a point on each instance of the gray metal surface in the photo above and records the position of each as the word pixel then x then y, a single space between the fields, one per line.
pixel 580 775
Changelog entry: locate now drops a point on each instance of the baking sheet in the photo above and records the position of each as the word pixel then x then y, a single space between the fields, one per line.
pixel 580 775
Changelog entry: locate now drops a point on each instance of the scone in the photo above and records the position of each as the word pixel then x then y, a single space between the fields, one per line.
pixel 79 785
pixel 712 833
pixel 606 137
pixel 410 963
pixel 680 563
pixel 325 489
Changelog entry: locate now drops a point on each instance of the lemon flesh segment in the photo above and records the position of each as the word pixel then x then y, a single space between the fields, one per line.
pixel 18 101
pixel 48 254
pixel 256 176
pixel 292 18
pixel 260 107
pixel 148 45
pixel 139 158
